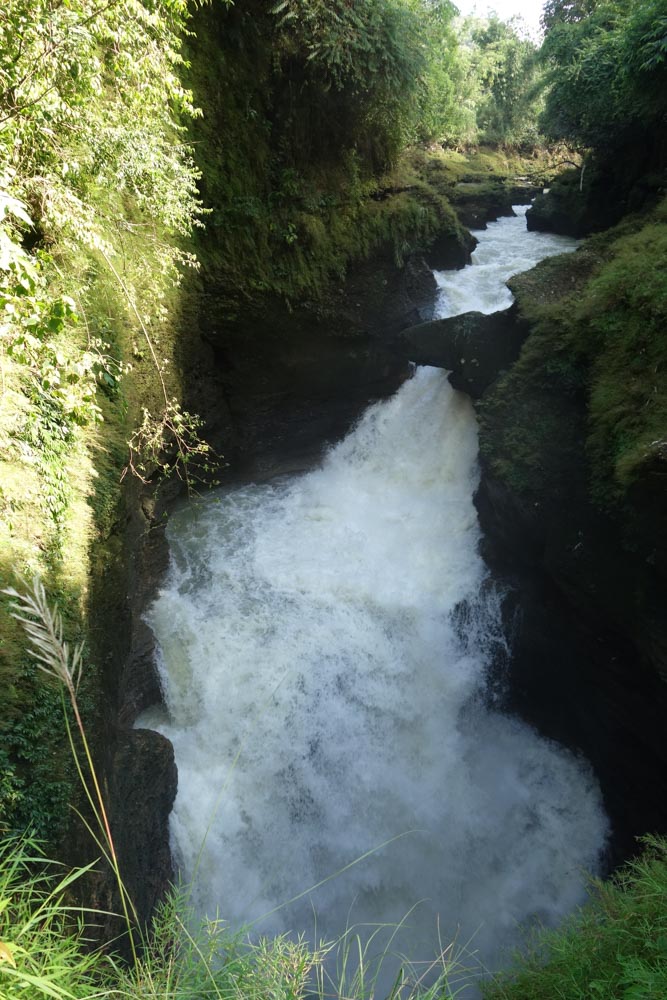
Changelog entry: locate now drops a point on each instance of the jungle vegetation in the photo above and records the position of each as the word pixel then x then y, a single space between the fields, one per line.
pixel 143 139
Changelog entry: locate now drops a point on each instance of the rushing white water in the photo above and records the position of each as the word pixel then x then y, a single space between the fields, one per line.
pixel 325 644
pixel 505 248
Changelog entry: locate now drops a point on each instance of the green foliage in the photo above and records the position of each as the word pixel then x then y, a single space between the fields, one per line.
pixel 501 85
pixel 352 73
pixel 614 948
pixel 626 316
pixel 565 11
pixel 289 158
pixel 508 70
pixel 37 784
pixel 39 779
pixel 607 71
pixel 42 950
pixel 445 111
pixel 94 178
pixel 90 96
pixel 98 191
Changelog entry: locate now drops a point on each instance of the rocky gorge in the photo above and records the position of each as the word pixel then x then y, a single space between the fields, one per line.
pixel 583 593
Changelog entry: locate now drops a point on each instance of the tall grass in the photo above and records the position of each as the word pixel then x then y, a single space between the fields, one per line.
pixel 43 949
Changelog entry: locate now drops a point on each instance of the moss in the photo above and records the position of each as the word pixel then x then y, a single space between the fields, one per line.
pixel 60 509
pixel 598 337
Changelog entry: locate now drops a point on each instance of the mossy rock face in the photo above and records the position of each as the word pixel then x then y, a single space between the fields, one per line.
pixel 573 504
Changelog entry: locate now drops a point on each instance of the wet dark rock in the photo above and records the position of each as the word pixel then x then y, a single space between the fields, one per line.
pixel 580 202
pixel 586 627
pixel 449 253
pixel 549 215
pixel 419 288
pixel 477 204
pixel 137 767
pixel 278 380
pixel 589 660
pixel 473 347
pixel 145 780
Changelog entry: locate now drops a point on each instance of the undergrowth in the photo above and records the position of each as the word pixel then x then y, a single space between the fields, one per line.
pixel 614 948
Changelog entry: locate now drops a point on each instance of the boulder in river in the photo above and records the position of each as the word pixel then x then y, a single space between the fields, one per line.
pixel 473 347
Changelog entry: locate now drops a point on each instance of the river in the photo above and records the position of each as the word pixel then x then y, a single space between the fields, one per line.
pixel 326 641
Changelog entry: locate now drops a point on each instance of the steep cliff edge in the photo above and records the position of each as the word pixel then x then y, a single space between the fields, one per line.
pixel 572 502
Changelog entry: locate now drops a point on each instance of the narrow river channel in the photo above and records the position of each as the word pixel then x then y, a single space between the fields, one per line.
pixel 326 641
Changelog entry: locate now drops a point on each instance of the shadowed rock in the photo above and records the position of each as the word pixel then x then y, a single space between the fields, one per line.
pixel 473 347
pixel 146 780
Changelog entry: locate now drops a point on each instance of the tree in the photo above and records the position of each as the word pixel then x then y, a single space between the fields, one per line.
pixel 501 81
pixel 607 73
pixel 443 113
pixel 565 11
pixel 351 72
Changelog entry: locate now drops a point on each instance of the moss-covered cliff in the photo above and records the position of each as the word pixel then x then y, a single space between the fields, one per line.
pixel 573 500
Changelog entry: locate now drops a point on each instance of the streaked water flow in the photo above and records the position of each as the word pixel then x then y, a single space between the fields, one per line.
pixel 325 642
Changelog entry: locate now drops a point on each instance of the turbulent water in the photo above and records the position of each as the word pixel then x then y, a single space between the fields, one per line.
pixel 504 249
pixel 325 641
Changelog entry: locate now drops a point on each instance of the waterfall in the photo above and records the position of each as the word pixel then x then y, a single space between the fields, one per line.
pixel 325 645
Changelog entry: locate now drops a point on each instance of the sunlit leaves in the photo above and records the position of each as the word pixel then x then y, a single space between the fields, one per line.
pixel 90 94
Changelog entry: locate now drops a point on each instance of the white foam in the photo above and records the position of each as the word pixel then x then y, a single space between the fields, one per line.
pixel 505 248
pixel 322 700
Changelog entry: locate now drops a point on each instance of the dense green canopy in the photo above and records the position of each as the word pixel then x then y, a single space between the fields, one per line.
pixel 607 71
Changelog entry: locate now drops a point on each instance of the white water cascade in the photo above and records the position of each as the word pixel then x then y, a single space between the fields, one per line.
pixel 507 247
pixel 325 641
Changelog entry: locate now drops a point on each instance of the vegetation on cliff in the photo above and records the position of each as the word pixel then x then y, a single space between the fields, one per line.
pixel 597 322
pixel 606 80
pixel 301 162
pixel 606 72
pixel 97 188
pixel 612 948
